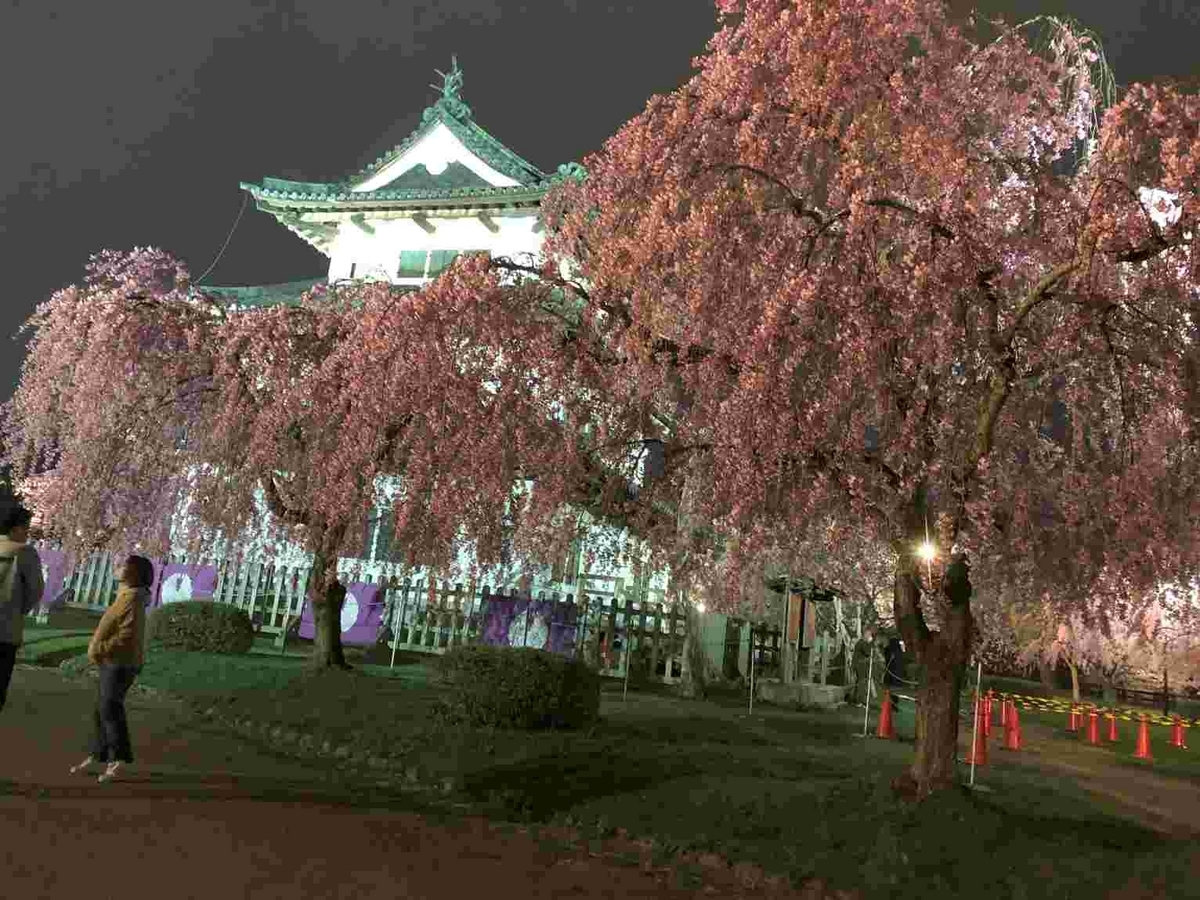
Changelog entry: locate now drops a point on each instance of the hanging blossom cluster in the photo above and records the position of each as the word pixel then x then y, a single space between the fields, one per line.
pixel 826 287
pixel 851 277
pixel 140 393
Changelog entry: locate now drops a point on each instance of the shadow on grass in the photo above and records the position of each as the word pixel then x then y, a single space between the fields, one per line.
pixel 794 792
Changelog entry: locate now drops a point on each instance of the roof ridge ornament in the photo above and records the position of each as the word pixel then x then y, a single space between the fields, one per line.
pixel 451 87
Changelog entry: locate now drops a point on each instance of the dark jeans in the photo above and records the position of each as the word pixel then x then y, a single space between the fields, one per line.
pixel 110 733
pixel 8 658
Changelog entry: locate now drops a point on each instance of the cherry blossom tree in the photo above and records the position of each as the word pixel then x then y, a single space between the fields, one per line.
pixel 864 268
pixel 1088 643
pixel 138 392
pixel 1173 645
pixel 870 268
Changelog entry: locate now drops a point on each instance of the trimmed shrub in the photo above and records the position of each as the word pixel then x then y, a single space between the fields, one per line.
pixel 517 687
pixel 201 625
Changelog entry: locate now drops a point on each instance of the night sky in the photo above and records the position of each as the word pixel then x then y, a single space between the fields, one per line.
pixel 134 127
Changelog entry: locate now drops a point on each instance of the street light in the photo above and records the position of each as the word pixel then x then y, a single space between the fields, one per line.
pixel 928 553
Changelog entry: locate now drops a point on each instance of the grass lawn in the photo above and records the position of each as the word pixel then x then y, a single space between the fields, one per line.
pixel 53 646
pixel 794 792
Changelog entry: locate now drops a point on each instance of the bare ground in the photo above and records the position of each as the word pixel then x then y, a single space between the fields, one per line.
pixel 202 814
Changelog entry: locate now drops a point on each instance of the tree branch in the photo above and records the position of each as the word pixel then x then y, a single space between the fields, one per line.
pixel 1040 292
pixel 277 506
pixel 795 203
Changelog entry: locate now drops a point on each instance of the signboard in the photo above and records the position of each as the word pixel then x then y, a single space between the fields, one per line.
pixel 795 613
pixel 542 624
pixel 362 616
pixel 809 630
pixel 176 582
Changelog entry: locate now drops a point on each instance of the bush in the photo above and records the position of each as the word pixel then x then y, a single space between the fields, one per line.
pixel 201 625
pixel 517 687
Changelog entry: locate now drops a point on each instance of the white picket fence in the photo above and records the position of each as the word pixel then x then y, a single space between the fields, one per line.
pixel 428 615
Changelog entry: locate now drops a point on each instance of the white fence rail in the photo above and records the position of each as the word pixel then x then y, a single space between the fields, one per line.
pixel 428 615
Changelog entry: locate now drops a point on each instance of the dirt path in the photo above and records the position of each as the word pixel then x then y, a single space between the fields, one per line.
pixel 205 815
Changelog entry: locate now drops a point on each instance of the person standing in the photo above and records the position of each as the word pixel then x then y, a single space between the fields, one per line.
pixel 893 675
pixel 21 586
pixel 863 668
pixel 117 648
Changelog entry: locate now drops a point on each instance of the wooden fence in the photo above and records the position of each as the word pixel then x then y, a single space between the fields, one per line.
pixel 614 619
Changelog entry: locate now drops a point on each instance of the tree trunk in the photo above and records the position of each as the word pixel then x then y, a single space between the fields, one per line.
pixel 942 658
pixel 327 595
pixel 695 675
pixel 1045 674
pixel 1074 681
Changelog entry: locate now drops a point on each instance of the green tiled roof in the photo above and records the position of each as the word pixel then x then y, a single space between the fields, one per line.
pixel 406 188
pixel 457 182
pixel 308 191
pixel 456 116
pixel 263 295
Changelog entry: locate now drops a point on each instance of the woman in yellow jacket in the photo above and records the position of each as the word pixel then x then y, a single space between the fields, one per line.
pixel 117 649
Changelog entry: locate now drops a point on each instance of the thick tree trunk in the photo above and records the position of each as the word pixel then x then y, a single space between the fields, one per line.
pixel 327 616
pixel 1074 681
pixel 1046 674
pixel 941 657
pixel 694 682
pixel 327 594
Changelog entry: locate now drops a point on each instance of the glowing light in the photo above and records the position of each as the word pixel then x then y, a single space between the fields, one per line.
pixel 699 607
pixel 927 552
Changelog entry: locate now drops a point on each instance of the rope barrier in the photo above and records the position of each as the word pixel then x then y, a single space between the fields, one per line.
pixel 1051 704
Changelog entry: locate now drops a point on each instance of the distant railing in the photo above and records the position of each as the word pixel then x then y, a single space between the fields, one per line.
pixel 428 615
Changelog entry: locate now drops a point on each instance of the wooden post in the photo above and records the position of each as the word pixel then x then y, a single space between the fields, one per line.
pixel 787 652
pixel 751 670
pixel 824 639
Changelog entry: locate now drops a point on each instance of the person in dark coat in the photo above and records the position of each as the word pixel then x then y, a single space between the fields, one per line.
pixel 21 586
pixel 863 668
pixel 893 673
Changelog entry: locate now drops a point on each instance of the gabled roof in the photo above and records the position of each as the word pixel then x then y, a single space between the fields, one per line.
pixel 418 185
pixel 451 111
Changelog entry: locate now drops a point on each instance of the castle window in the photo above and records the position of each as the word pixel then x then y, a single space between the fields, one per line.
pixel 412 264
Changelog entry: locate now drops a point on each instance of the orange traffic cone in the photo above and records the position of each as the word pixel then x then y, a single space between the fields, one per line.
pixel 1012 730
pixel 1177 738
pixel 1004 713
pixel 885 728
pixel 1073 721
pixel 979 748
pixel 1142 750
pixel 1112 727
pixel 987 715
pixel 1093 732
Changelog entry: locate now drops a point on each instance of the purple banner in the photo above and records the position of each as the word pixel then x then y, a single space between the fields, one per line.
pixel 362 615
pixel 542 624
pixel 175 582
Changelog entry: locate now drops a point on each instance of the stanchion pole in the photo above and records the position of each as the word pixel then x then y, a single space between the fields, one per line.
pixel 870 668
pixel 751 670
pixel 396 629
pixel 628 653
pixel 975 730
